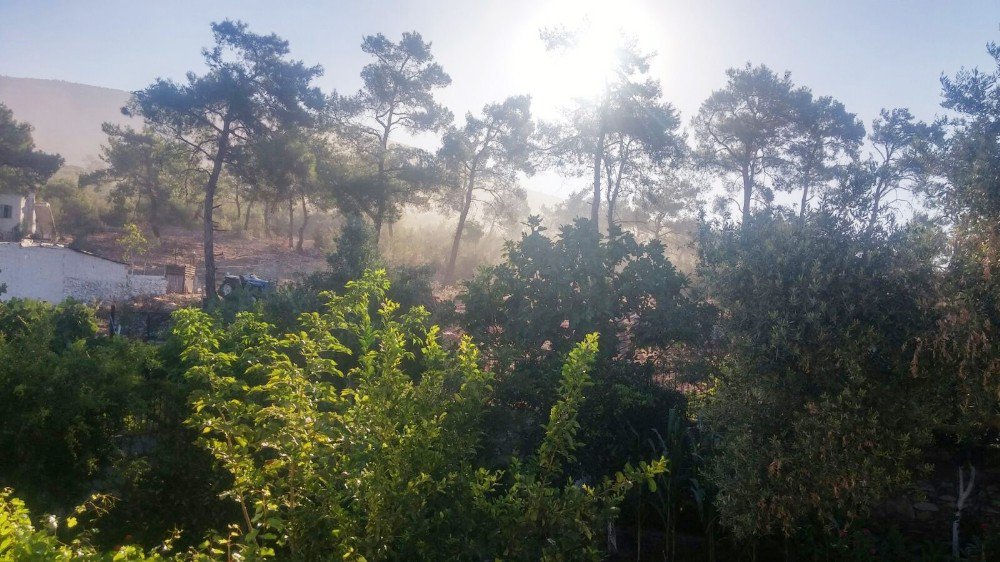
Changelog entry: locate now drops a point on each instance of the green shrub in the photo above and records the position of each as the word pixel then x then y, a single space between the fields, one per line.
pixel 356 436
pixel 356 252
pixel 547 293
pixel 819 410
pixel 82 413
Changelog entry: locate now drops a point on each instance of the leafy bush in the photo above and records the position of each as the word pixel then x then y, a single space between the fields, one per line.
pixel 357 251
pixel 83 413
pixel 529 309
pixel 356 436
pixel 77 211
pixel 819 410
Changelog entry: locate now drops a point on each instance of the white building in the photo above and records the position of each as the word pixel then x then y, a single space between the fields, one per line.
pixel 25 216
pixel 11 212
pixel 53 273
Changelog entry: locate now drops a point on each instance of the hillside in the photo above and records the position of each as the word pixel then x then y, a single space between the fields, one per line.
pixel 67 116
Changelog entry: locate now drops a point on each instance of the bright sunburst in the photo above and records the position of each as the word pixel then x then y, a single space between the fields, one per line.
pixel 582 68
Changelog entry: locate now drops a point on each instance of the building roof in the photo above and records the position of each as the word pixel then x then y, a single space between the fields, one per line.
pixel 29 243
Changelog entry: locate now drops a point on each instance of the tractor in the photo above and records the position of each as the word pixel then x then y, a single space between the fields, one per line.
pixel 250 284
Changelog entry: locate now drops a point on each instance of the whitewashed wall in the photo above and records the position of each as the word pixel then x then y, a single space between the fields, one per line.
pixel 54 273
pixel 142 285
pixel 17 203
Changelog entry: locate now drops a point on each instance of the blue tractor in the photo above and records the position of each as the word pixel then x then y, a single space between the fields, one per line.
pixel 249 284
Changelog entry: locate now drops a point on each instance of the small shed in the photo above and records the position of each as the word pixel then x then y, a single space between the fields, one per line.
pixel 180 278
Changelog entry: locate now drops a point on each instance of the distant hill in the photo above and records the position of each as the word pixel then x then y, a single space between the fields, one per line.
pixel 67 116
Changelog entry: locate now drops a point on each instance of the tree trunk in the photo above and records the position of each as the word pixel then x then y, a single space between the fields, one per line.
pixel 611 212
pixel 466 205
pixel 614 192
pixel 805 199
pixel 267 219
pixel 246 217
pixel 30 215
pixel 302 227
pixel 291 222
pixel 747 197
pixel 963 495
pixel 595 205
pixel 379 217
pixel 154 215
pixel 876 201
pixel 377 221
pixel 806 183
pixel 210 189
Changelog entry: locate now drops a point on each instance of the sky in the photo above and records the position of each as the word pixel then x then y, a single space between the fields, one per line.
pixel 868 55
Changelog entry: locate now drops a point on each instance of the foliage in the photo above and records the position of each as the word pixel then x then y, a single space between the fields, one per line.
pixel 556 290
pixel 898 170
pixel 356 252
pixel 84 413
pixel 133 243
pixel 78 212
pixel 54 451
pixel 486 155
pixel 530 309
pixel 968 342
pixel 826 136
pixel 661 207
pixel 19 540
pixel 293 166
pixel 397 95
pixel 624 137
pixel 145 168
pixel 818 408
pixel 798 378
pixel 761 134
pixel 251 90
pixel 23 168
pixel 356 437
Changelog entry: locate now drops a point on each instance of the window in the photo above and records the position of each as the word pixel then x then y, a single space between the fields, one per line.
pixel 6 211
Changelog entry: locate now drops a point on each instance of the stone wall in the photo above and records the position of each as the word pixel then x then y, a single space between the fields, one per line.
pixel 930 507
pixel 145 285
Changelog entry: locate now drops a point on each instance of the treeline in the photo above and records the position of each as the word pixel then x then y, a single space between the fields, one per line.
pixel 250 144
pixel 587 399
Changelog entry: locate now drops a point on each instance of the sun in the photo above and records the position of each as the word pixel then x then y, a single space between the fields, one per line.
pixel 581 68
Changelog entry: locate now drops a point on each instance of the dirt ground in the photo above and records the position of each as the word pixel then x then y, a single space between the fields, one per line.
pixel 235 253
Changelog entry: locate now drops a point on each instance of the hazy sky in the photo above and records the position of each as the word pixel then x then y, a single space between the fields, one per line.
pixel 868 55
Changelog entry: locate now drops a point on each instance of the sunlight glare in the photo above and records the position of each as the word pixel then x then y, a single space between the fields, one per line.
pixel 581 70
